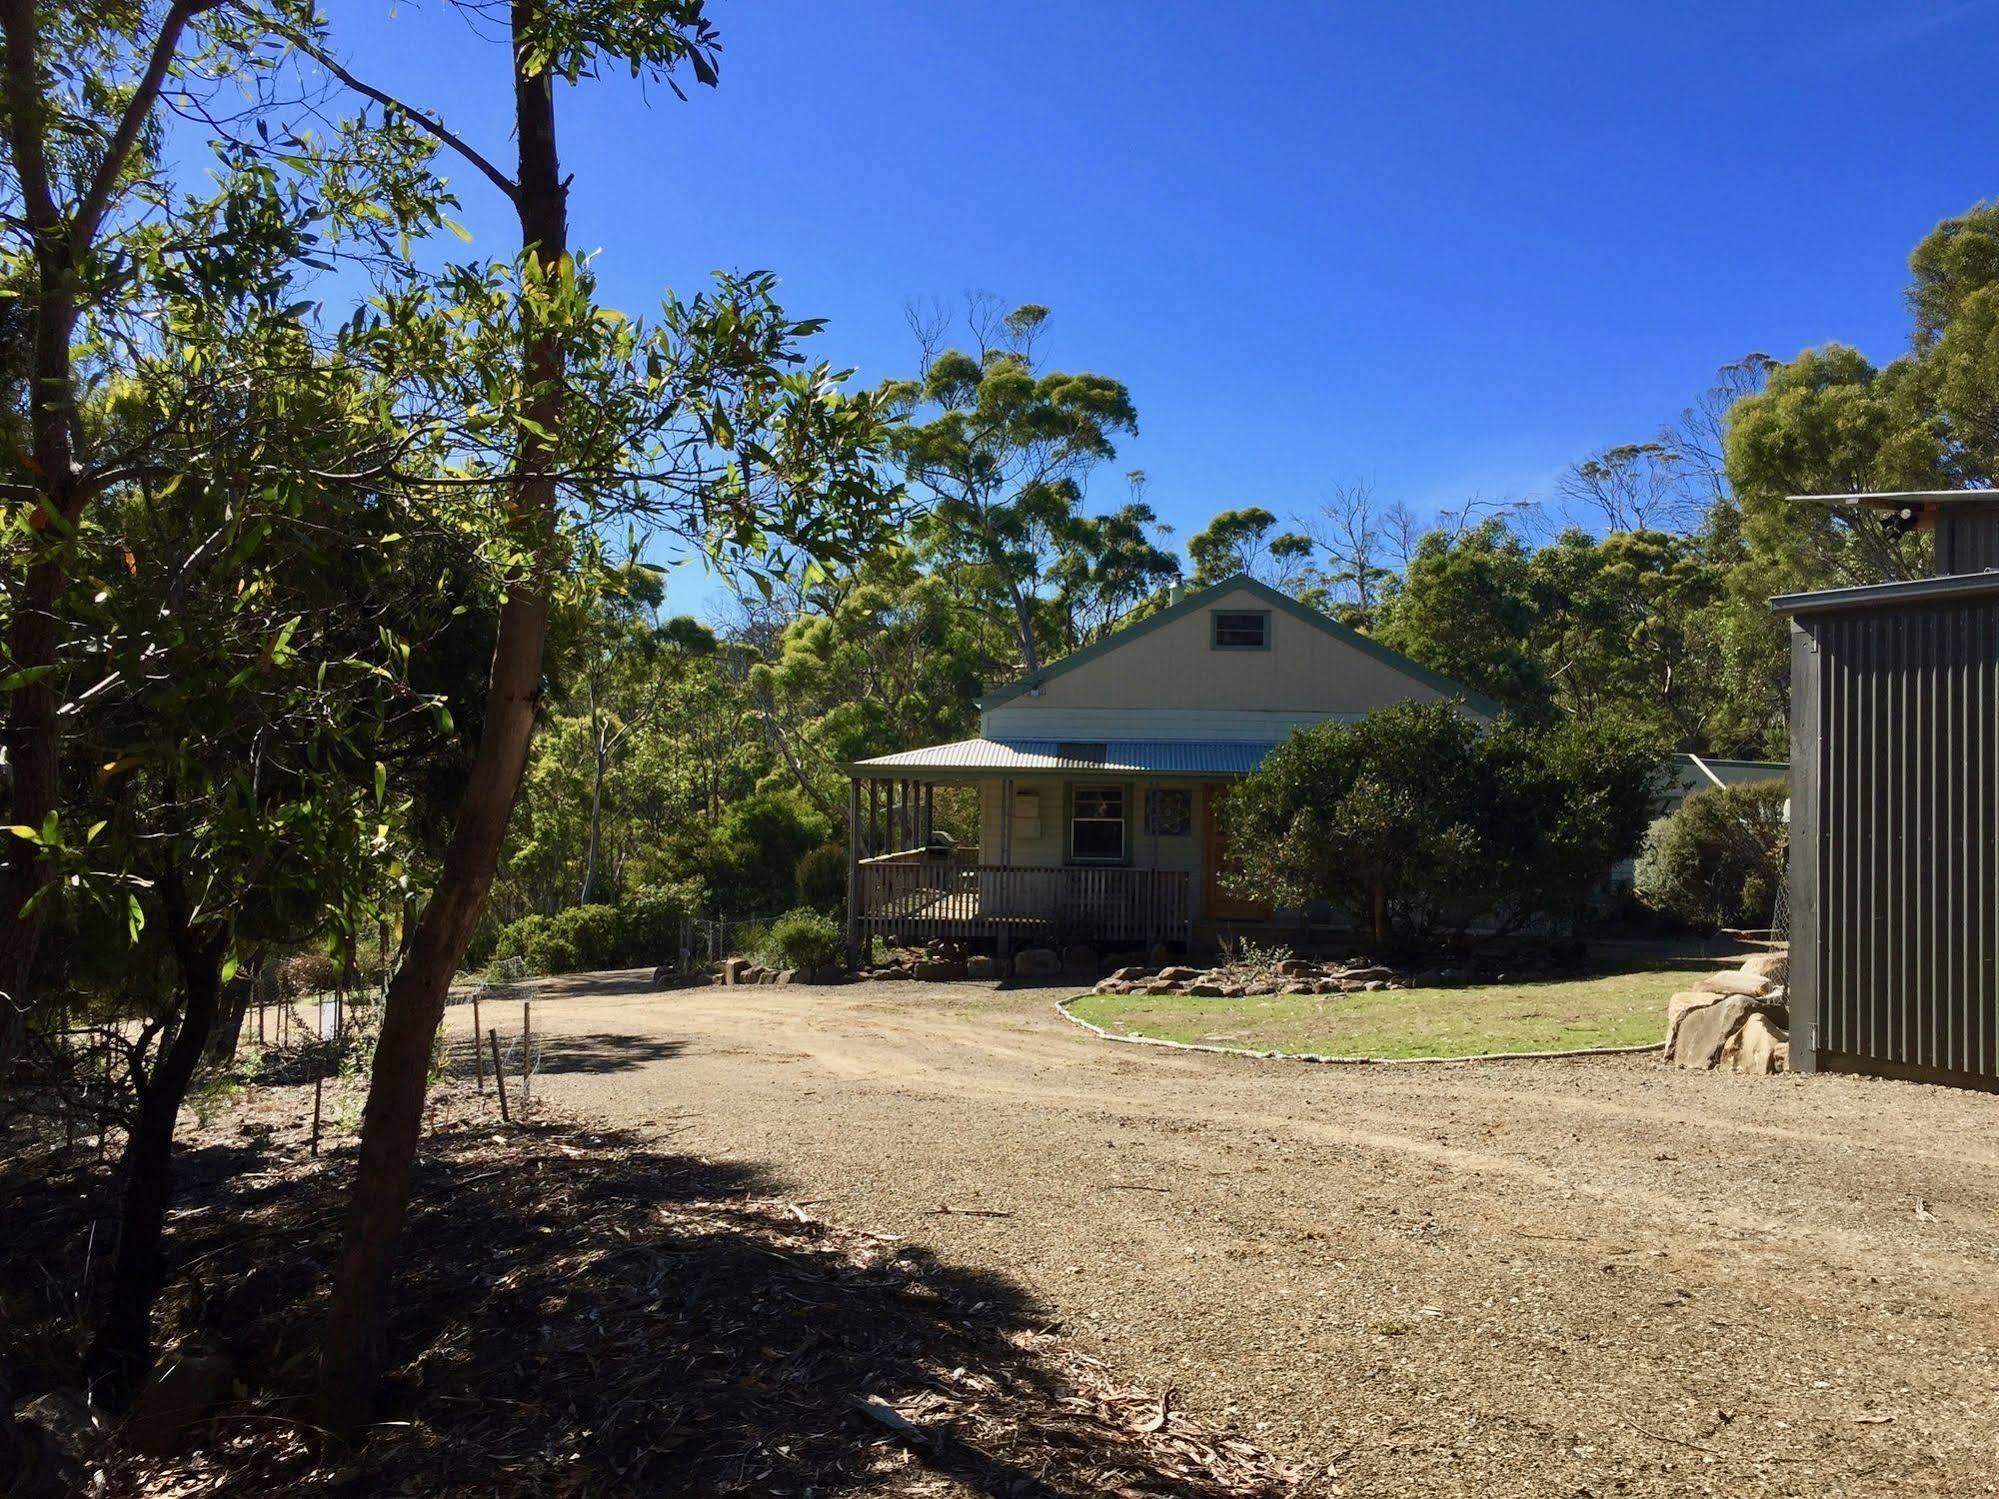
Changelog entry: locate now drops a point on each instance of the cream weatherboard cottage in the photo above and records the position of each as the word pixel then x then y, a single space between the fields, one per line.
pixel 1100 777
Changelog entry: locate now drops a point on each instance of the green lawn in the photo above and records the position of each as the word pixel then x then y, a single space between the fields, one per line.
pixel 1617 1009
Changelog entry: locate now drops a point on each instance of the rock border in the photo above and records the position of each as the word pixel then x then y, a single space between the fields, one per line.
pixel 1062 1009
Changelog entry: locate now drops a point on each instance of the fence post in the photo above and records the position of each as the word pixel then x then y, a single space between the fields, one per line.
pixel 499 1075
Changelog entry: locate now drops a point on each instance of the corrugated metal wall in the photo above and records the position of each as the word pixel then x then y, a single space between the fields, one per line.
pixel 1895 832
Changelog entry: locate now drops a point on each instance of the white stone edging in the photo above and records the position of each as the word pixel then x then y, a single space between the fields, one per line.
pixel 1062 1009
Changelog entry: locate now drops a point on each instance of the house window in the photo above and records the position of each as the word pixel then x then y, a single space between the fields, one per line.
pixel 1096 825
pixel 1169 814
pixel 1241 629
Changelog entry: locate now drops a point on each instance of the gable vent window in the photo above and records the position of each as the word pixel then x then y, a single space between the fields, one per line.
pixel 1241 630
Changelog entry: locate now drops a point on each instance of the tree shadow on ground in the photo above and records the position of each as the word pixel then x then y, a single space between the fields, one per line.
pixel 581 1313
pixel 600 1052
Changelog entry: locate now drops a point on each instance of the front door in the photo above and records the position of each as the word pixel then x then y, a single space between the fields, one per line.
pixel 1216 903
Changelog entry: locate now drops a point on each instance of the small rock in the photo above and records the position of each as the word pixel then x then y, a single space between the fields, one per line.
pixel 1130 974
pixel 787 975
pixel 182 1393
pixel 940 970
pixel 1365 973
pixel 979 966
pixel 1037 963
pixel 1179 975
pixel 734 969
pixel 1205 989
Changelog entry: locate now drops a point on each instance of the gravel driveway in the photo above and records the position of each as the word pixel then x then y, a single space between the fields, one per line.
pixel 1576 1277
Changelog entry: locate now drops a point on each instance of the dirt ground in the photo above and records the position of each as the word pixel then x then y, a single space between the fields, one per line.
pixel 1593 1276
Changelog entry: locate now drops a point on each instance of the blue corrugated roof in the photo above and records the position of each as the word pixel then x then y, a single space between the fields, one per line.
pixel 1141 756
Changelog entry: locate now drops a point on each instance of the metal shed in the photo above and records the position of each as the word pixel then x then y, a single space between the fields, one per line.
pixel 1894 868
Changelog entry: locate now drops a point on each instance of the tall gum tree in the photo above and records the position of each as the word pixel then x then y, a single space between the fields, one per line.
pixel 699 425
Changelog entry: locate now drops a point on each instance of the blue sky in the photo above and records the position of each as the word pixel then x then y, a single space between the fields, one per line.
pixel 1444 248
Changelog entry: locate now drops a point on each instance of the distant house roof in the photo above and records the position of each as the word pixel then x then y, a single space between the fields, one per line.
pixel 1483 706
pixel 1117 757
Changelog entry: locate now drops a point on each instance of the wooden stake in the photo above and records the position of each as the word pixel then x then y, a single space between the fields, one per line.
pixel 499 1078
pixel 317 1080
pixel 527 1039
pixel 478 1057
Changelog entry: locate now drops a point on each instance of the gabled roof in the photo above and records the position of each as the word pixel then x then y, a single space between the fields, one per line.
pixel 1120 756
pixel 1201 598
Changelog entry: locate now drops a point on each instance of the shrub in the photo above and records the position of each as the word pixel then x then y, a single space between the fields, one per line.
pixel 1419 822
pixel 310 973
pixel 596 932
pixel 747 939
pixel 546 950
pixel 1718 858
pixel 751 859
pixel 803 939
pixel 515 936
pixel 822 877
pixel 652 917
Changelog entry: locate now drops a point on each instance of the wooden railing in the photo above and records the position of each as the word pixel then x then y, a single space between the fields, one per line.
pixel 916 897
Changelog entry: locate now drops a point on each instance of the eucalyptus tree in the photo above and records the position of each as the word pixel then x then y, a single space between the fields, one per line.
pixel 999 451
pixel 1107 566
pixel 1249 541
pixel 559 414
pixel 627 661
pixel 895 662
pixel 107 257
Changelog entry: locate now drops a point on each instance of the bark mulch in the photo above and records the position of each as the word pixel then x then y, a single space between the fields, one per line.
pixel 582 1311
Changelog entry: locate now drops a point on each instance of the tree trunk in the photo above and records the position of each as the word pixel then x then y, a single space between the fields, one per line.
pixel 233 1005
pixel 356 1322
pixel 122 1351
pixel 1030 658
pixel 596 826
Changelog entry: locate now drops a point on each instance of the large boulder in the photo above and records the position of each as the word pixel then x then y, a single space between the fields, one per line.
pixel 1677 1007
pixel 1703 1031
pixel 1131 974
pixel 1761 1047
pixel 1179 975
pixel 979 966
pixel 939 970
pixel 735 970
pixel 1774 966
pixel 1735 981
pixel 1037 963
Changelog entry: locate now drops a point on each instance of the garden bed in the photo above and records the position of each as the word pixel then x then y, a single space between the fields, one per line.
pixel 1535 1016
